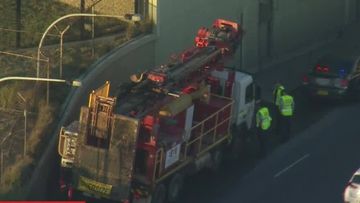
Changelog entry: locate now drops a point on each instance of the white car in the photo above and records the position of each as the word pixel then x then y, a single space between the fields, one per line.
pixel 352 190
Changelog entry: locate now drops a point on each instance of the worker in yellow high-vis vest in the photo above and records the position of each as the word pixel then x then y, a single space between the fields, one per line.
pixel 286 109
pixel 263 124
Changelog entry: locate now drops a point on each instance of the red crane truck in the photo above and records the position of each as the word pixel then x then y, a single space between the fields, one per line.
pixel 165 124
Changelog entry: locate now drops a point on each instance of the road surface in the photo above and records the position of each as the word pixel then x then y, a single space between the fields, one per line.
pixel 314 166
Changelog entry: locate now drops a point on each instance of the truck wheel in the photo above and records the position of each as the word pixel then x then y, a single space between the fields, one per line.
pixel 353 93
pixel 356 94
pixel 236 147
pixel 159 194
pixel 175 186
pixel 217 158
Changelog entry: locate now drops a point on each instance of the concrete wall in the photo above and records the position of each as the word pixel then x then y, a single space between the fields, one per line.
pixel 134 56
pixel 351 11
pixel 179 21
pixel 296 24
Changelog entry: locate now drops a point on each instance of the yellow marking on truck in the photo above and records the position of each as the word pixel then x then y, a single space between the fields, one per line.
pixel 91 186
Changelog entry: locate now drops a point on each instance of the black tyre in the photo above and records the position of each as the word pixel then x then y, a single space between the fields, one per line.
pixel 356 94
pixel 159 194
pixel 217 159
pixel 354 91
pixel 236 147
pixel 175 186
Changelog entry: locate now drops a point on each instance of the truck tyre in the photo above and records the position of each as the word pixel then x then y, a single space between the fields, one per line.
pixel 236 147
pixel 217 158
pixel 356 94
pixel 159 194
pixel 175 186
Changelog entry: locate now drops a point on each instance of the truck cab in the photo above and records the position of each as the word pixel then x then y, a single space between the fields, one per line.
pixel 241 88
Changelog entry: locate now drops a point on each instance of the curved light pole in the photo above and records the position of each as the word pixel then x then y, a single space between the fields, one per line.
pixel 62 18
pixel 25 121
pixel 74 83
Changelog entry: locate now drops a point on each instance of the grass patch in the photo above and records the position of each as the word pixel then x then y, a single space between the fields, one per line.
pixel 45 118
pixel 8 94
pixel 37 15
pixel 76 60
pixel 13 179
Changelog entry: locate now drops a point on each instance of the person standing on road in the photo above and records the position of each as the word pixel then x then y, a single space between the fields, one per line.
pixel 278 89
pixel 286 109
pixel 263 123
pixel 277 92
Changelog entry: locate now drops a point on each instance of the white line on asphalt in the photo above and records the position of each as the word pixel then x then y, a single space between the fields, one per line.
pixel 291 165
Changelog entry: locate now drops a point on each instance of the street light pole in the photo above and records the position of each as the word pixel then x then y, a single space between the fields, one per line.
pixel 60 19
pixel 61 34
pixel 74 83
pixel 25 130
pixel 25 122
pixel 2 158
pixel 47 83
pixel 92 31
pixel 2 166
pixel 61 49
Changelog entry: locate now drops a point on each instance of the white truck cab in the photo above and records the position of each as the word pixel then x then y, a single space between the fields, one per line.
pixel 242 88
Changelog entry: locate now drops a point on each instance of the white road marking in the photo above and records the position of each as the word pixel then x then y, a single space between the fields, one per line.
pixel 291 165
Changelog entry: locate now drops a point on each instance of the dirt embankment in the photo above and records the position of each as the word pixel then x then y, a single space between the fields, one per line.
pixel 41 102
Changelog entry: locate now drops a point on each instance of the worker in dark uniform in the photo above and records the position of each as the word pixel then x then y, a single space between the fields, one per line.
pixel 286 109
pixel 278 89
pixel 263 123
pixel 277 92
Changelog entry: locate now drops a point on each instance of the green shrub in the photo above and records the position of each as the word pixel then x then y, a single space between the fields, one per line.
pixel 146 26
pixel 132 31
pixel 8 95
pixel 45 117
pixel 15 175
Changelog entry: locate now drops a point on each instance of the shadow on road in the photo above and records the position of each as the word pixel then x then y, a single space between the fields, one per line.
pixel 206 186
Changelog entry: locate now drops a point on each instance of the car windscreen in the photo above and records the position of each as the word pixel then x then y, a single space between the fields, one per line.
pixel 332 68
pixel 356 179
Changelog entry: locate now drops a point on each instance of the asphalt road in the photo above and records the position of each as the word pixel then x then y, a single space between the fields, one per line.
pixel 314 166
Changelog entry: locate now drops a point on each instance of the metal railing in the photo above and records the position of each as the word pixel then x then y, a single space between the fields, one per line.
pixel 199 138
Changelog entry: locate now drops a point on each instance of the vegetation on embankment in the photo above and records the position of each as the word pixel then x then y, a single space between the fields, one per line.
pixel 42 116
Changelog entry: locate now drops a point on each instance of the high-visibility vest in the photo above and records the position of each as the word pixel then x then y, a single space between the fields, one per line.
pixel 263 119
pixel 286 105
pixel 277 92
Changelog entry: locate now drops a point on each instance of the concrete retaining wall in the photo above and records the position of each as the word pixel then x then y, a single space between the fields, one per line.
pixel 295 25
pixel 298 24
